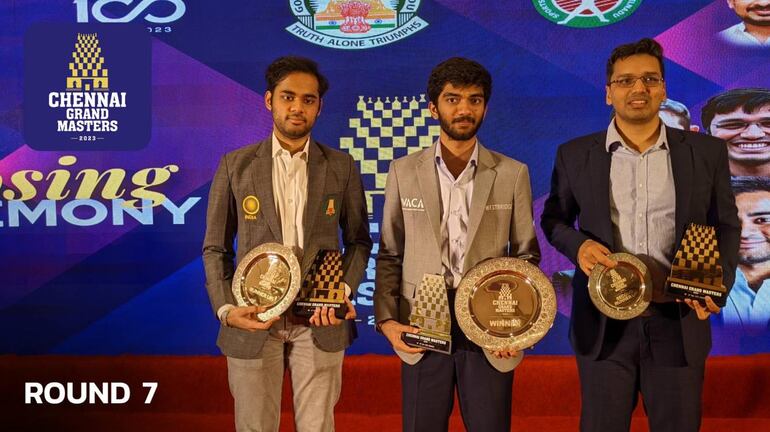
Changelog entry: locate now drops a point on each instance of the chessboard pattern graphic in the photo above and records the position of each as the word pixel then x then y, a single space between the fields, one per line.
pixel 385 130
pixel 87 71
pixel 431 306
pixel 324 280
pixel 698 256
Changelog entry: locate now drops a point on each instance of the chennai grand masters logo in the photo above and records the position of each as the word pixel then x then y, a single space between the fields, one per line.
pixel 355 24
pixel 586 13
pixel 87 88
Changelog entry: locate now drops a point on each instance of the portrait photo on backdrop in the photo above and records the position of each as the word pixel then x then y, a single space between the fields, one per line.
pixel 741 117
pixel 753 30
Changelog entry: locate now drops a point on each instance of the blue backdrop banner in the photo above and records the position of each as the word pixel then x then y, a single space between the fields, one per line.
pixel 114 115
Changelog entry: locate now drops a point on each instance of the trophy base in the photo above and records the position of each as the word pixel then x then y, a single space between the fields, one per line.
pixel 429 341
pixel 306 308
pixel 681 288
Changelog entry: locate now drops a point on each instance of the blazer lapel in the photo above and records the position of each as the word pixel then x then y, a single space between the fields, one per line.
pixel 262 182
pixel 681 167
pixel 599 161
pixel 429 190
pixel 316 185
pixel 482 187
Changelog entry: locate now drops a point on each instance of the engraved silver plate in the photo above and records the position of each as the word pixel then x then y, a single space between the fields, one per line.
pixel 270 276
pixel 623 292
pixel 505 304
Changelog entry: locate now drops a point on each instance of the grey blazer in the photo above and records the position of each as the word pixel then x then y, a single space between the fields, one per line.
pixel 248 171
pixel 500 225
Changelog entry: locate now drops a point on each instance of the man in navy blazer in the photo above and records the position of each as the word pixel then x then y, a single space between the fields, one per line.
pixel 634 188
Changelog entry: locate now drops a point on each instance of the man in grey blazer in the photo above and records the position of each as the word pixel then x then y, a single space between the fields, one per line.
pixel 292 181
pixel 447 208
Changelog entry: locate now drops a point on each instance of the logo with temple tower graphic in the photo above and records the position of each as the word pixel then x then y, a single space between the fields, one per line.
pixel 355 24
pixel 87 69
pixel 87 87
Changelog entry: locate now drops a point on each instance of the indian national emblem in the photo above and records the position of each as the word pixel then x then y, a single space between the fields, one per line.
pixel 355 24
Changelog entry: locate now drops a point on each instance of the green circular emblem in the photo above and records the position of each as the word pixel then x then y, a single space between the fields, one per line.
pixel 586 13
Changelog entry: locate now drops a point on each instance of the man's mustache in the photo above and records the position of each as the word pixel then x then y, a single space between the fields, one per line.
pixel 464 118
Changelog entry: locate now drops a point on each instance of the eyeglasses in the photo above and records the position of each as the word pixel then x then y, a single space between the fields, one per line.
pixel 740 126
pixel 630 81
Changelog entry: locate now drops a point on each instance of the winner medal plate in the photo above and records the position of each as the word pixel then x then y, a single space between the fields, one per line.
pixel 623 292
pixel 270 276
pixel 505 304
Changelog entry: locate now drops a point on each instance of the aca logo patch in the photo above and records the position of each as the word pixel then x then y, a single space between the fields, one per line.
pixel 355 24
pixel 586 13
pixel 87 87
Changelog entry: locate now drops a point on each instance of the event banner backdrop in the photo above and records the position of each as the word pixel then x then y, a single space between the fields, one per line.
pixel 114 115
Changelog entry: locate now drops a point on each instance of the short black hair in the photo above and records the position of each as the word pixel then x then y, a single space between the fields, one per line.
pixel 281 67
pixel 748 98
pixel 642 46
pixel 461 72
pixel 746 184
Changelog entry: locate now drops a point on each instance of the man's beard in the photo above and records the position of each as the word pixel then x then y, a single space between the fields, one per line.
pixel 295 133
pixel 753 259
pixel 446 126
pixel 762 23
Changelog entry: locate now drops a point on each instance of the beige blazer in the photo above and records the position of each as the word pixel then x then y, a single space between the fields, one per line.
pixel 410 242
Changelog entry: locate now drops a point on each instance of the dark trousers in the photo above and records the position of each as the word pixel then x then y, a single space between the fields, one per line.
pixel 428 389
pixel 644 354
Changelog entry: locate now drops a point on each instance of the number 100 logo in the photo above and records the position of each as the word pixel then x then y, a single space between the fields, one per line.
pixel 135 9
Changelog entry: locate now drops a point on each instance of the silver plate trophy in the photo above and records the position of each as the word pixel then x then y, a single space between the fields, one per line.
pixel 505 304
pixel 270 276
pixel 623 292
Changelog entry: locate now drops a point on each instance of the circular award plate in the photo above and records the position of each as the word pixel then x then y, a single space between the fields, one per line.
pixel 270 276
pixel 505 304
pixel 623 292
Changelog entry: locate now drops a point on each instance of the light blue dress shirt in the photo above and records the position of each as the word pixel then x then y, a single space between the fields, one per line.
pixel 746 307
pixel 643 204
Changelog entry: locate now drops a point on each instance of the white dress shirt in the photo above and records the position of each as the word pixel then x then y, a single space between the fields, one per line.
pixel 737 35
pixel 456 195
pixel 290 197
pixel 290 193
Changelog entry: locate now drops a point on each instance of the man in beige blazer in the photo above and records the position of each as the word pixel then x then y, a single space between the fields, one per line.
pixel 448 208
pixel 292 190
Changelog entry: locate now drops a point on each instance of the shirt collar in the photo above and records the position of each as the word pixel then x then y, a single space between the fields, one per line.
pixel 615 140
pixel 278 149
pixel 473 161
pixel 741 29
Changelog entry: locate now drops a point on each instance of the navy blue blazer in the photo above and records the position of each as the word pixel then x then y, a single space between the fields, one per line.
pixel 580 191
